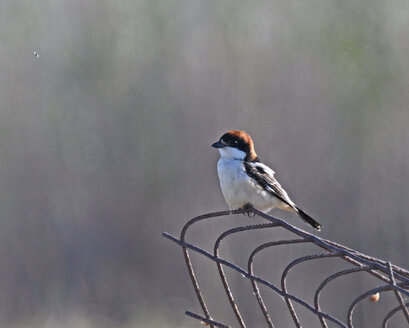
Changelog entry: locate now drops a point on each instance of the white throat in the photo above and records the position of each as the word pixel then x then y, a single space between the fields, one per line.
pixel 231 153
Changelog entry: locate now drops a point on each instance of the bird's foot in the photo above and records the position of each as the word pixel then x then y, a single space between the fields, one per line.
pixel 248 208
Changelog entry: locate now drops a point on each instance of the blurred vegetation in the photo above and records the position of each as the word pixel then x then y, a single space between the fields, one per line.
pixel 104 141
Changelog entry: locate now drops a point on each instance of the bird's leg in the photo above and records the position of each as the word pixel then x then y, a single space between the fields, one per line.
pixel 248 210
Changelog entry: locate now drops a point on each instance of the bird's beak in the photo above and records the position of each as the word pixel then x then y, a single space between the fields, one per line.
pixel 218 145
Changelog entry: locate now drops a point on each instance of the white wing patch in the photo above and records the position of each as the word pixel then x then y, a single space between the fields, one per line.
pixel 265 168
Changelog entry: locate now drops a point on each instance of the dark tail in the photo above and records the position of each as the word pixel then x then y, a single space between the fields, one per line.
pixel 313 223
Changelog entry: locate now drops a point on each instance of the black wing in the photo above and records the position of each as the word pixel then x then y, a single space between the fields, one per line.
pixel 264 176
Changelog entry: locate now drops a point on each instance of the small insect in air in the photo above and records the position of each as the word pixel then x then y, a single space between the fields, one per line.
pixel 35 53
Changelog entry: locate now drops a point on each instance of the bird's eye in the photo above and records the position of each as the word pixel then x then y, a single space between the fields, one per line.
pixel 235 141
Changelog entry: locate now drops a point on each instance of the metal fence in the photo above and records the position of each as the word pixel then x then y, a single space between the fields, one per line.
pixel 390 277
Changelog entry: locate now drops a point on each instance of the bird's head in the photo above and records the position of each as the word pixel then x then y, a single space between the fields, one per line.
pixel 237 145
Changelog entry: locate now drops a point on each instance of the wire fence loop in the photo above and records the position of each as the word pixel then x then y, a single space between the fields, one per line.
pixel 390 277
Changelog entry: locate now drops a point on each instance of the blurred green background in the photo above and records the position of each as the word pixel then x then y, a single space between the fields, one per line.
pixel 105 143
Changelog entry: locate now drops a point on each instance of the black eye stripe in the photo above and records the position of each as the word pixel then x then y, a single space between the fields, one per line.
pixel 224 141
pixel 234 141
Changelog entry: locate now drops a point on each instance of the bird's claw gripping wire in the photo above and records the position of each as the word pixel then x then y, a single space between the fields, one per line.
pixel 248 208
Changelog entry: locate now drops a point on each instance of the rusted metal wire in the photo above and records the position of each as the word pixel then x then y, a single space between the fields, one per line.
pixel 220 267
pixel 398 295
pixel 329 279
pixel 250 269
pixel 284 282
pixel 205 321
pixel 391 314
pixel 390 277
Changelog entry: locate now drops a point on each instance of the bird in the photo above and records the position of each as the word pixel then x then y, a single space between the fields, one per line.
pixel 246 182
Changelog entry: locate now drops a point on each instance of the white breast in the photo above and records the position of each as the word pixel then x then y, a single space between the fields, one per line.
pixel 239 189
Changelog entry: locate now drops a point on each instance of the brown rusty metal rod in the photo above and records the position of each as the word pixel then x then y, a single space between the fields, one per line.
pixel 397 279
pixel 284 277
pixel 189 262
pixel 329 279
pixel 205 320
pixel 402 273
pixel 257 279
pixel 328 246
pixel 390 315
pixel 397 294
pixel 251 271
pixel 220 267
pixel 367 294
pixel 395 268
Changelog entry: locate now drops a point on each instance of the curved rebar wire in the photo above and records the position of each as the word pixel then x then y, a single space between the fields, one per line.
pixel 325 283
pixel 250 270
pixel 189 262
pixel 205 321
pixel 376 274
pixel 334 247
pixel 326 244
pixel 390 315
pixel 396 269
pixel 367 294
pixel 220 268
pixel 397 294
pixel 255 278
pixel 382 270
pixel 287 270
